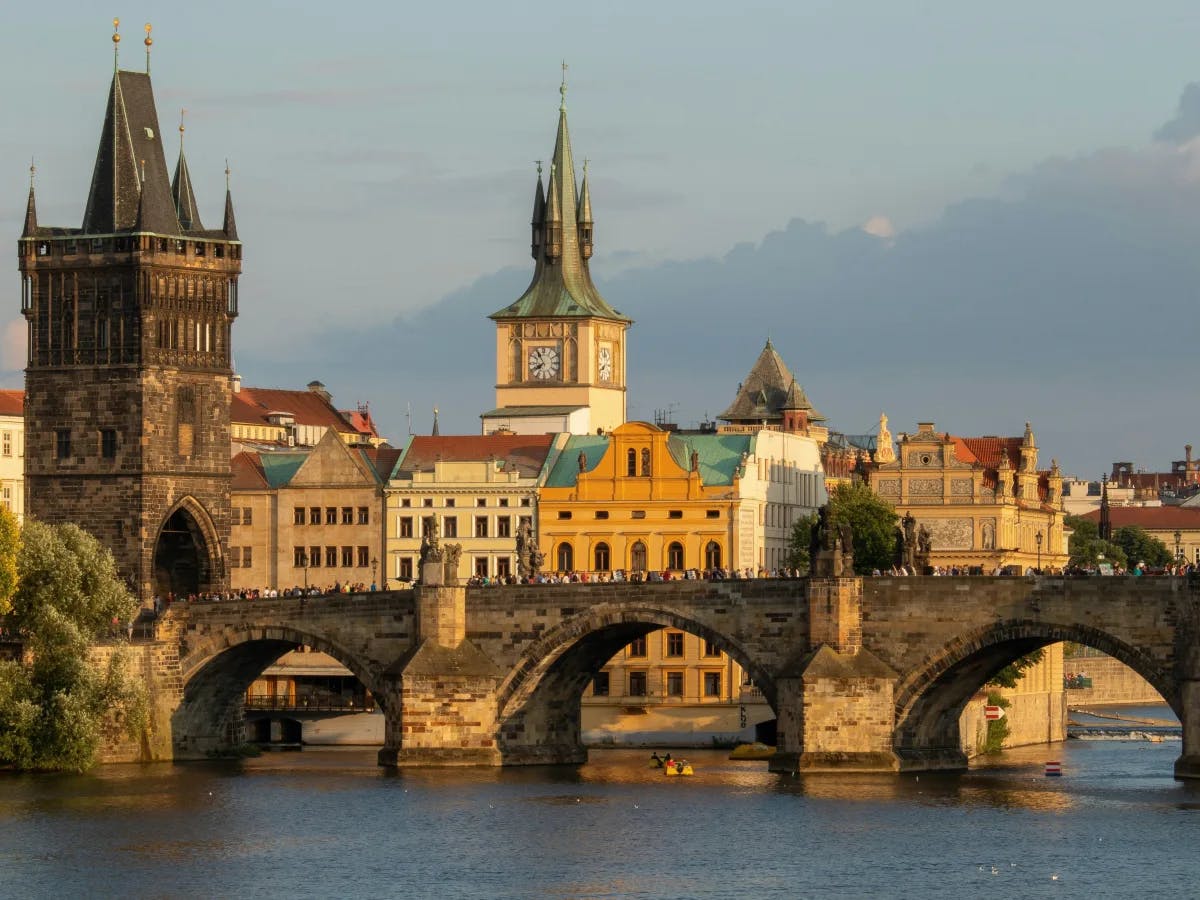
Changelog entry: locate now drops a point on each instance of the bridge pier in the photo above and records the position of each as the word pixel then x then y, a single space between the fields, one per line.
pixel 1188 764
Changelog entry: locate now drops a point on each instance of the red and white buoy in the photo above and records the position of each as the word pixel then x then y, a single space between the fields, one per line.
pixel 1053 769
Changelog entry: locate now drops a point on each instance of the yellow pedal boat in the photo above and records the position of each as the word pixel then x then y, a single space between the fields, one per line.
pixel 679 767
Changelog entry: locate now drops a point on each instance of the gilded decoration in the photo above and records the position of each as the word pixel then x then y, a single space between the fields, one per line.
pixel 961 487
pixel 950 534
pixel 928 457
pixel 888 486
pixel 925 487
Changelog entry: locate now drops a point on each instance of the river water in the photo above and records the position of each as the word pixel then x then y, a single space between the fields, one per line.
pixel 333 824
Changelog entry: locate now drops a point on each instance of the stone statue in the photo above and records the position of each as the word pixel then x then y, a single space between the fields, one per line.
pixel 695 461
pixel 529 560
pixel 452 554
pixel 582 461
pixel 431 547
pixel 846 549
pixel 884 451
pixel 831 548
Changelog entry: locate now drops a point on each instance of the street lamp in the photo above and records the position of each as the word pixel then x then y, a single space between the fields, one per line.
pixel 1038 539
pixel 374 568
pixel 304 562
pixel 1178 547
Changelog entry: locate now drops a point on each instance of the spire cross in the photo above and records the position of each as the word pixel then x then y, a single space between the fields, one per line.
pixel 148 42
pixel 227 175
pixel 32 172
pixel 585 165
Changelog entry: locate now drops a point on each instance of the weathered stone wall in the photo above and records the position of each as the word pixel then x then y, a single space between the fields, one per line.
pixel 1112 682
pixel 157 665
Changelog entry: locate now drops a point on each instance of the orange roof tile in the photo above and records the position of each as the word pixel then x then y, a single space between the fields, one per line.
pixel 526 451
pixel 247 472
pixel 12 403
pixel 1155 518
pixel 251 406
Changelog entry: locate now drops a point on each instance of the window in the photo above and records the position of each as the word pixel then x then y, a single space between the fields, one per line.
pixel 246 560
pixel 331 557
pixel 674 643
pixel 600 684
pixel 406 502
pixel 108 443
pixel 347 557
pixel 235 515
pixel 481 526
pixel 712 514
pixel 564 514
pixel 674 684
pixel 314 515
pixel 637 557
pixel 675 555
pixel 364 557
pixel 712 684
pixel 347 515
pixel 406 568
pixel 675 514
pixel 450 527
pixel 314 557
pixel 602 514
pixel 565 557
pixel 524 501
pixel 428 501
pixel 8 443
pixel 712 555
pixel 364 516
pixel 298 515
pixel 235 557
pixel 299 558
pixel 406 526
pixel 602 559
pixel 637 684
pixel 504 502
pixel 481 501
pixel 631 462
pixel 481 567
pixel 638 514
pixel 62 443
pixel 637 647
pixel 247 515
pixel 711 649
pixel 331 515
pixel 503 567
pixel 503 526
pixel 645 462
pixel 450 502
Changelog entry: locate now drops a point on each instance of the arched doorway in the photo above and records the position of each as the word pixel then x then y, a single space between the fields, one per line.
pixel 601 558
pixel 637 557
pixel 675 556
pixel 182 556
pixel 565 557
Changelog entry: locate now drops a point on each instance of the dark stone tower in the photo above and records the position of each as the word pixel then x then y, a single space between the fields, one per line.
pixel 127 389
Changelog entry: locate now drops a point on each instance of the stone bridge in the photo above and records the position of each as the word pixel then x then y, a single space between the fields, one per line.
pixel 863 674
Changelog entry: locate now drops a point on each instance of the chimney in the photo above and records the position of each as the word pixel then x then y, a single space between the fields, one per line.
pixel 319 389
pixel 237 383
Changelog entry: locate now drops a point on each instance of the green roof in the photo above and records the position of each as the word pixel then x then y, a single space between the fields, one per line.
pixel 720 454
pixel 280 467
pixel 566 467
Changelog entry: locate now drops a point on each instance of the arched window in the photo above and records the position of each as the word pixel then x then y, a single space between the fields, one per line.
pixel 601 559
pixel 645 462
pixel 565 557
pixel 631 464
pixel 675 555
pixel 712 555
pixel 637 557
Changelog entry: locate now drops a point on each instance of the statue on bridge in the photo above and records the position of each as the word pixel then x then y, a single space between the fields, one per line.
pixel 914 545
pixel 529 558
pixel 831 549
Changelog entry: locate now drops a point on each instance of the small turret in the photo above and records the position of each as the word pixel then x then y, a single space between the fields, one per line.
pixel 1029 454
pixel 539 214
pixel 553 223
pixel 181 190
pixel 30 208
pixel 230 226
pixel 584 216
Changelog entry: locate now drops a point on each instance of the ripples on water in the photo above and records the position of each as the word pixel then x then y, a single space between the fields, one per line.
pixel 332 824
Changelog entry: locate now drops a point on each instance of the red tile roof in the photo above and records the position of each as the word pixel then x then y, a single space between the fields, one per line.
pixel 251 406
pixel 247 472
pixel 526 451
pixel 988 451
pixel 383 459
pixel 12 403
pixel 1154 518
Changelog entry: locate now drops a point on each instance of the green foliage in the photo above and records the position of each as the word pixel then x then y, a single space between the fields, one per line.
pixel 10 541
pixel 873 522
pixel 1086 548
pixel 799 555
pixel 1011 674
pixel 1142 547
pixel 997 729
pixel 55 709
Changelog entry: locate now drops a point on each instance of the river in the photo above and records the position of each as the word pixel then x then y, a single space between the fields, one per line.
pixel 332 824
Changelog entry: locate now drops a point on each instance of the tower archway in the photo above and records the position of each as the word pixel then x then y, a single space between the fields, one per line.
pixel 187 552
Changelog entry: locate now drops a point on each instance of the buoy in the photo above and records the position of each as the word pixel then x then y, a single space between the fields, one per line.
pixel 1053 769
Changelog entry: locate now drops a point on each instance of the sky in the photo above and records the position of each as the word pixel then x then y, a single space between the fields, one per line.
pixel 975 216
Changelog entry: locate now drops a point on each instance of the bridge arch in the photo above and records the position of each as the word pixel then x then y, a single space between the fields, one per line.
pixel 218 670
pixel 930 699
pixel 539 702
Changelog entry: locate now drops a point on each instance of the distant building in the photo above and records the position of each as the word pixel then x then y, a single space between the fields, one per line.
pixel 1173 486
pixel 12 452
pixel 1178 527
pixel 272 419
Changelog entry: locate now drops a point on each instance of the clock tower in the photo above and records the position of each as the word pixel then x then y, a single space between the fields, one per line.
pixel 560 348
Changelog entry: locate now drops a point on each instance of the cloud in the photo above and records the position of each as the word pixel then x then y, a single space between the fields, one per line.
pixel 880 227
pixel 1186 124
pixel 13 345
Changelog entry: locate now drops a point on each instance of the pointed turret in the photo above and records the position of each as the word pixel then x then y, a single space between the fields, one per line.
pixel 130 151
pixel 584 218
pixel 1029 453
pixel 230 226
pixel 181 192
pixel 539 214
pixel 562 284
pixel 31 225
pixel 769 393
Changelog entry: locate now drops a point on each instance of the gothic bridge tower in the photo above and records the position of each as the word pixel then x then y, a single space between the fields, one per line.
pixel 560 348
pixel 127 387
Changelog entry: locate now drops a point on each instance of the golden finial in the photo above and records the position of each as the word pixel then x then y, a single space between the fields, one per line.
pixel 116 40
pixel 182 113
pixel 148 41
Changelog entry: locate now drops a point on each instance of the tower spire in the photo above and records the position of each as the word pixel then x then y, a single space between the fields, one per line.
pixel 116 39
pixel 584 217
pixel 181 188
pixel 30 206
pixel 539 214
pixel 230 225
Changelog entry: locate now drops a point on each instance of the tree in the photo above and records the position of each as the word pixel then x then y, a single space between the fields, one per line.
pixel 1142 547
pixel 872 521
pixel 799 555
pixel 1085 547
pixel 10 541
pixel 55 709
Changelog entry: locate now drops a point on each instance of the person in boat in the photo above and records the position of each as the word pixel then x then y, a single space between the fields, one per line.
pixel 658 760
pixel 667 760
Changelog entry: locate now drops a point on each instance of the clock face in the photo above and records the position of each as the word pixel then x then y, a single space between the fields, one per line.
pixel 604 365
pixel 543 363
